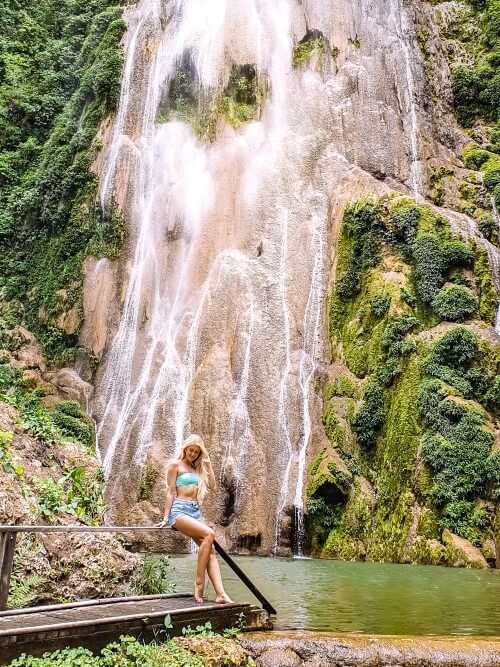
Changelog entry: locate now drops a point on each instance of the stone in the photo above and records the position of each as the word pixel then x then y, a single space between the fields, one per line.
pixel 279 657
pixel 70 320
pixel 462 552
pixel 71 385
pixel 88 565
pixel 29 354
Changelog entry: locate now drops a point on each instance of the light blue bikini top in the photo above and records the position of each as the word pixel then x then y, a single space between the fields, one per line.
pixel 187 479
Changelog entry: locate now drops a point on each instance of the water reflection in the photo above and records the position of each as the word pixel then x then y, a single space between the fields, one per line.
pixel 366 597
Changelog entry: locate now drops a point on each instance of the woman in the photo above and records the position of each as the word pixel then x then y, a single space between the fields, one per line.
pixel 189 475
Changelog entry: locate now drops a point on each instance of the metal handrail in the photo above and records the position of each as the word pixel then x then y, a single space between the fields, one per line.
pixel 8 536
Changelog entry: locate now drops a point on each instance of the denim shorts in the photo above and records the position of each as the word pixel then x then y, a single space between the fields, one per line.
pixel 181 507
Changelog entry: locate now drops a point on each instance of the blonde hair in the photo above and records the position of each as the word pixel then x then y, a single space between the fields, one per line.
pixel 199 465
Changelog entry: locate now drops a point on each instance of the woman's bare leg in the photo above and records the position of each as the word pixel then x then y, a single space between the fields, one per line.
pixel 213 569
pixel 204 537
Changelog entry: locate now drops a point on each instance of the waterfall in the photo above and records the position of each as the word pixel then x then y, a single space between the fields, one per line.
pixel 223 284
pixel 399 18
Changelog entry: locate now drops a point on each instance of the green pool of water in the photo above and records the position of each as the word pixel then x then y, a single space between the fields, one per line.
pixel 364 597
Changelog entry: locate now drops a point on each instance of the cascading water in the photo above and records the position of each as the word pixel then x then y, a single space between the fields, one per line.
pixel 221 322
pixel 403 30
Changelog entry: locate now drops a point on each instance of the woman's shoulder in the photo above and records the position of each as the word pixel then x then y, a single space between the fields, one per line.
pixel 173 465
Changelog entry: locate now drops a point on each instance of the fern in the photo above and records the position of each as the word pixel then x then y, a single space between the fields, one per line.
pixel 23 592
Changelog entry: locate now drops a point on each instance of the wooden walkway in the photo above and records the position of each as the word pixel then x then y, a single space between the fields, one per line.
pixel 95 623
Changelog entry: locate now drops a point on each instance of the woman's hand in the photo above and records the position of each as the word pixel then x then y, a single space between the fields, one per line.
pixel 162 524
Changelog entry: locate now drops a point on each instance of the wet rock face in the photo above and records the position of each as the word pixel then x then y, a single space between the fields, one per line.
pixel 283 649
pixel 221 294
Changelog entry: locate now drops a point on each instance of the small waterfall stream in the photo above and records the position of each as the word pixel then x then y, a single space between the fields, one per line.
pixel 223 293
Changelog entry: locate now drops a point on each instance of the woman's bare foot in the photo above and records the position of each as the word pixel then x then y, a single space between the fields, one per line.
pixel 198 591
pixel 223 598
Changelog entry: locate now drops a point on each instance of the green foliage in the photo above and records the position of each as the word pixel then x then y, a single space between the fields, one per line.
pixel 5 455
pixel 76 493
pixel 487 292
pixel 371 415
pixel 486 225
pixel 474 158
pixel 61 67
pixel 131 652
pixel 155 576
pixel 451 357
pixel 147 482
pixel 433 258
pixel 395 344
pixel 322 517
pixel 73 422
pixel 461 517
pixel 240 102
pixel 361 225
pixel 455 304
pixel 456 445
pixel 459 457
pixel 67 421
pixel 380 305
pixel 313 44
pixel 23 588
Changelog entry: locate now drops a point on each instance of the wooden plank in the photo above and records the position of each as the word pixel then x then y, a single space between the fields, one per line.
pixel 7 548
pixel 90 603
pixel 47 623
pixel 77 529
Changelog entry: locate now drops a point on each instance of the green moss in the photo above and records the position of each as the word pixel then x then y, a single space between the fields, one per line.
pixel 391 530
pixel 342 386
pixel 148 482
pixel 428 525
pixel 417 263
pixel 313 45
pixel 488 298
pixel 437 181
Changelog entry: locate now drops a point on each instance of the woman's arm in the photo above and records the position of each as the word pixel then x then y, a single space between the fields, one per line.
pixel 212 483
pixel 171 476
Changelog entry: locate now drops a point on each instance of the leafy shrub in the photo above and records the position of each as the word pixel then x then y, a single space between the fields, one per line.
pixel 361 222
pixel 313 44
pixel 492 396
pixel 455 304
pixel 59 81
pixel 433 258
pixel 405 221
pixel 371 415
pixel 322 513
pixel 451 356
pixel 380 305
pixel 460 462
pixel 486 225
pixel 461 517
pixel 75 493
pixel 474 158
pixel 147 482
pixel 73 422
pixel 154 578
pixel 430 266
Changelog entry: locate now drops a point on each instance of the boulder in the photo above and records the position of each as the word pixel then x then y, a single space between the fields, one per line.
pixel 71 385
pixel 461 553
pixel 29 354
